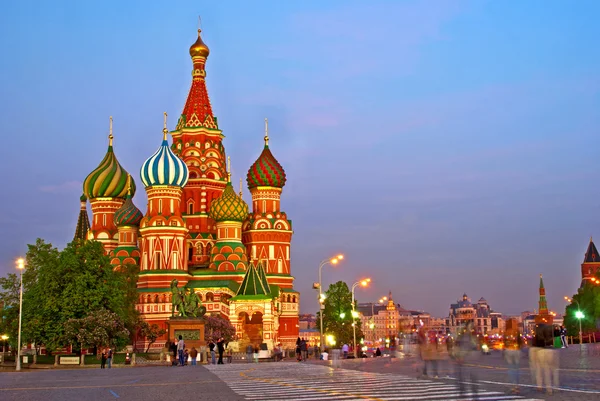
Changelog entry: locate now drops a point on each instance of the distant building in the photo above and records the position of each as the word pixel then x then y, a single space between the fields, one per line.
pixel 479 314
pixel 382 322
pixel 591 263
pixel 307 321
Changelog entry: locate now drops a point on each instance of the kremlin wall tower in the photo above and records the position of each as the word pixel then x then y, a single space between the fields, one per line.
pixel 196 228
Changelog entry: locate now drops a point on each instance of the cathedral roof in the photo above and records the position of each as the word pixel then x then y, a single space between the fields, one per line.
pixel 591 255
pixel 253 284
pixel 164 167
pixel 266 170
pixel 83 221
pixel 229 206
pixel 109 179
pixel 128 214
pixel 197 111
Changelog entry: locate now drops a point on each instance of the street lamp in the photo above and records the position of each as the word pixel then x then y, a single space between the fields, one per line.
pixel 20 266
pixel 579 315
pixel 334 261
pixel 4 338
pixel 364 283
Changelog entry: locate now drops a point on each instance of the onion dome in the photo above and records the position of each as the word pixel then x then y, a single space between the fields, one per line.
pixel 266 170
pixel 128 214
pixel 164 167
pixel 83 198
pixel 109 179
pixel 199 48
pixel 229 206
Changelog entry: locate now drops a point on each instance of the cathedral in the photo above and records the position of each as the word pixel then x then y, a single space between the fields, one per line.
pixel 196 228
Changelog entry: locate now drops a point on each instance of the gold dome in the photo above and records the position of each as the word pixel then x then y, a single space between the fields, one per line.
pixel 199 48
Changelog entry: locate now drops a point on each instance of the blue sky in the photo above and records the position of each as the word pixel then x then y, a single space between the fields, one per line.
pixel 443 146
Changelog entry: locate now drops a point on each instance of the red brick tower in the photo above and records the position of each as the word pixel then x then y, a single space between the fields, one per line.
pixel 198 141
pixel 543 315
pixel 591 263
pixel 267 231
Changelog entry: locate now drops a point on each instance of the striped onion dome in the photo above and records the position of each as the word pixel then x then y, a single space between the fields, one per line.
pixel 109 179
pixel 229 206
pixel 266 170
pixel 128 214
pixel 164 167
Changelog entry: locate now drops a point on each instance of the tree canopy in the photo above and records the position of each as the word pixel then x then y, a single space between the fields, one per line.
pixel 588 299
pixel 337 315
pixel 216 327
pixel 71 284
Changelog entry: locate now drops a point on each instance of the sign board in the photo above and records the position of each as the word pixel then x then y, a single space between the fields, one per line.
pixel 188 334
pixel 25 359
pixel 69 360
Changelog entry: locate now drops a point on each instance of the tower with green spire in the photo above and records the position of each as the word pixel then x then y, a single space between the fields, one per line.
pixel 543 315
pixel 83 221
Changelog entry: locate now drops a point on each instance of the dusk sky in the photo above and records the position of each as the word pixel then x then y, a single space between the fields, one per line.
pixel 443 146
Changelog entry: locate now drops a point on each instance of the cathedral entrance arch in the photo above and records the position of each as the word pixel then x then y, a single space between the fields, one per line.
pixel 252 328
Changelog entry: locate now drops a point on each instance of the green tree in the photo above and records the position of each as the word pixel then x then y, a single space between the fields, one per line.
pixel 72 284
pixel 337 315
pixel 9 304
pixel 216 327
pixel 589 300
pixel 99 328
pixel 151 331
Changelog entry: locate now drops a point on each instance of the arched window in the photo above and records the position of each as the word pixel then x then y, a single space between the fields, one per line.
pixel 208 249
pixel 200 249
pixel 289 298
pixel 156 298
pixel 294 299
pixel 210 297
pixel 190 208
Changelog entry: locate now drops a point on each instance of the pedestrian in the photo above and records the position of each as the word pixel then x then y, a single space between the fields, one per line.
pixel 103 360
pixel 249 352
pixel 221 349
pixel 211 347
pixel 180 350
pixel 186 355
pixel 194 355
pixel 563 337
pixel 109 357
pixel 465 357
pixel 173 349
pixel 345 349
pixel 513 342
pixel 256 350
pixel 543 361
pixel 298 350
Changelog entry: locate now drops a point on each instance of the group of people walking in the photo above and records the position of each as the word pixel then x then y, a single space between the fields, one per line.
pixel 180 354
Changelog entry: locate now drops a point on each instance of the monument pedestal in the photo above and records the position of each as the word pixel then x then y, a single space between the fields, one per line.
pixel 191 329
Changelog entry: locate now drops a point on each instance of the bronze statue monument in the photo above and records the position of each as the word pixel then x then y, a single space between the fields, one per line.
pixel 186 301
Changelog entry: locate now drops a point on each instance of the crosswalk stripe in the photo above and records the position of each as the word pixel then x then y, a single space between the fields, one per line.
pixel 292 382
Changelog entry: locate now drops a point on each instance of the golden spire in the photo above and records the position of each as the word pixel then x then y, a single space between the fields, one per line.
pixel 591 239
pixel 110 135
pixel 128 185
pixel 540 275
pixel 241 186
pixel 228 169
pixel 165 130
pixel 266 132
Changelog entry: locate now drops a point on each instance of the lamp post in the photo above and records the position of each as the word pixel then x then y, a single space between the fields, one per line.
pixel 579 315
pixel 364 283
pixel 324 262
pixel 20 266
pixel 4 338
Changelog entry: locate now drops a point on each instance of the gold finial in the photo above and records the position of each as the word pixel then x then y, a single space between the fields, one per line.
pixel 110 135
pixel 228 169
pixel 199 24
pixel 591 239
pixel 266 132
pixel 540 275
pixel 129 184
pixel 165 130
pixel 241 187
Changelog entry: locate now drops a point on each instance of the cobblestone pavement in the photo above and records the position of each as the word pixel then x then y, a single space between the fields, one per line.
pixel 579 372
pixel 293 381
pixel 132 384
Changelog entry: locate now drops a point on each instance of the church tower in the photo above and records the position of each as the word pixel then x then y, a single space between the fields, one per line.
pixel 229 211
pixel 591 263
pixel 267 231
pixel 198 141
pixel 83 221
pixel 163 229
pixel 106 188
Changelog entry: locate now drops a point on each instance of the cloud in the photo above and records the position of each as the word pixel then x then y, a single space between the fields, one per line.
pixel 67 186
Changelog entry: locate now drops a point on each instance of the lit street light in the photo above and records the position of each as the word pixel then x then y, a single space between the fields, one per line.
pixel 333 261
pixel 4 337
pixel 579 315
pixel 364 283
pixel 20 266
